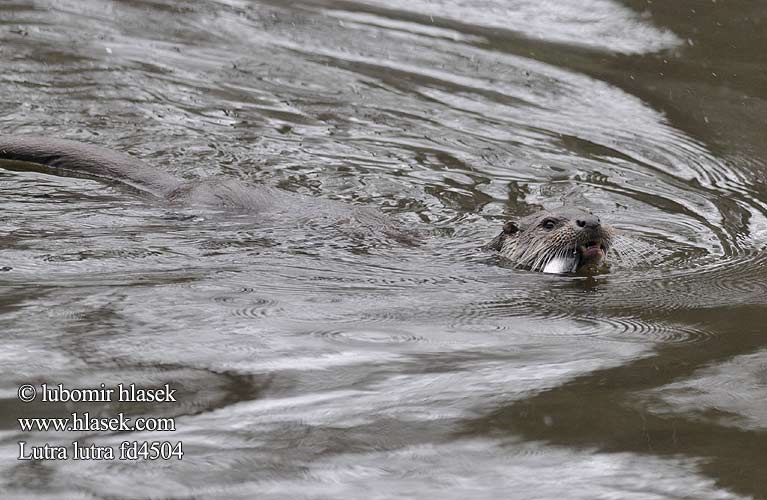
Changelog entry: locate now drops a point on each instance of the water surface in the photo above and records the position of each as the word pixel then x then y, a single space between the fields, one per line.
pixel 315 361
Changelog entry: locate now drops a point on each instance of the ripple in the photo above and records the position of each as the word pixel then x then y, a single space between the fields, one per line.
pixel 634 329
pixel 368 336
pixel 632 253
pixel 559 317
pixel 691 282
pixel 251 307
pixel 736 280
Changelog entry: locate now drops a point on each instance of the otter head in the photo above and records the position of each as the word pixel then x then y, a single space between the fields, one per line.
pixel 563 240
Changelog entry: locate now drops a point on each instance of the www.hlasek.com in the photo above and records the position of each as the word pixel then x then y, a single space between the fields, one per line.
pixel 85 422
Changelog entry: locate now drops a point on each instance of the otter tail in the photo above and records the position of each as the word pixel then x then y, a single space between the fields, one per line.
pixel 92 161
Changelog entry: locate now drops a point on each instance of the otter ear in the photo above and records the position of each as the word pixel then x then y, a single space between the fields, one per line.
pixel 510 227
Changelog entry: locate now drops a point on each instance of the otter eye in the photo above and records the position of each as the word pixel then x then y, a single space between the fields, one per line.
pixel 548 224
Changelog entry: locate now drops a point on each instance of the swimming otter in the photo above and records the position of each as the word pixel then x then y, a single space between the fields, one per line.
pixel 563 240
pixel 557 241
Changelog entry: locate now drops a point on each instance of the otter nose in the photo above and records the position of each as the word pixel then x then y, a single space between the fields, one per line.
pixel 589 221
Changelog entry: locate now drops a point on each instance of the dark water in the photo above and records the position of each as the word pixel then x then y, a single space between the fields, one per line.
pixel 314 363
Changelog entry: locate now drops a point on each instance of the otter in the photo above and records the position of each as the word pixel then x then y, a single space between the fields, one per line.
pixel 563 240
pixel 556 241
